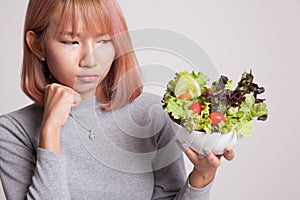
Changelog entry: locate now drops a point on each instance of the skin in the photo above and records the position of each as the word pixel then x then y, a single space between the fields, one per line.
pixel 205 168
pixel 79 63
pixel 68 59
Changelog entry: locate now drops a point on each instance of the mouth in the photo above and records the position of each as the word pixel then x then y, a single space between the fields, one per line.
pixel 88 78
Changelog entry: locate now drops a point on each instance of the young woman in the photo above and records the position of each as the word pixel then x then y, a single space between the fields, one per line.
pixel 91 133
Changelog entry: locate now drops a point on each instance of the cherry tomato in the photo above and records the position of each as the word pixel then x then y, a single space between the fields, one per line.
pixel 185 96
pixel 208 90
pixel 196 107
pixel 216 118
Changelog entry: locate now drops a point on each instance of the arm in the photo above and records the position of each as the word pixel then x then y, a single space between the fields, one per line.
pixel 170 182
pixel 25 173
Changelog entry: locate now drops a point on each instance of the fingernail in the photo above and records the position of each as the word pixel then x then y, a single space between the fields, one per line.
pixel 206 151
pixel 184 146
pixel 229 151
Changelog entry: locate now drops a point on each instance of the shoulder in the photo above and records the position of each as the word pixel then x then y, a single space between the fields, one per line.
pixel 25 114
pixel 21 122
pixel 147 102
pixel 147 108
pixel 147 99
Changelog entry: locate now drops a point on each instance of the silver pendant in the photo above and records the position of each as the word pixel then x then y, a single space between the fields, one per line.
pixel 92 136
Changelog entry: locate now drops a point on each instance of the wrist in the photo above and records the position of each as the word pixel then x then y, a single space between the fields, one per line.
pixel 199 179
pixel 50 138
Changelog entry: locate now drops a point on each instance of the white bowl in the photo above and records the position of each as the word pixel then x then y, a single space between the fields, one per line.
pixel 198 141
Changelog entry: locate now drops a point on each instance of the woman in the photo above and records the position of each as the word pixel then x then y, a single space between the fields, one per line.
pixel 91 133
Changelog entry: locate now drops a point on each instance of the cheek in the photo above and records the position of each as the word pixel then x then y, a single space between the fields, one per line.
pixel 104 57
pixel 62 65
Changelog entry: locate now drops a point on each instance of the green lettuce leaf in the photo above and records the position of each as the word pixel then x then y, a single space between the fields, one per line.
pixel 245 128
pixel 259 109
pixel 178 108
pixel 239 106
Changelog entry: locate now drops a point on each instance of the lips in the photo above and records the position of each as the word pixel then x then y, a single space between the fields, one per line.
pixel 88 78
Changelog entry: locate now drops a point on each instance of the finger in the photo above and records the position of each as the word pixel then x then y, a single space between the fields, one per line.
pixel 48 88
pixel 74 96
pixel 76 99
pixel 193 156
pixel 228 153
pixel 211 158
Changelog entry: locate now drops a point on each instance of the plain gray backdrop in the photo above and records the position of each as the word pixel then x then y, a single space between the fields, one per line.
pixel 238 35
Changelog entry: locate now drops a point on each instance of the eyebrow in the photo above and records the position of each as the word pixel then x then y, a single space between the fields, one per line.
pixel 70 33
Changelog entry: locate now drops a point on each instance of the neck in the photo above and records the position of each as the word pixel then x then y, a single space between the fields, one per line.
pixel 87 95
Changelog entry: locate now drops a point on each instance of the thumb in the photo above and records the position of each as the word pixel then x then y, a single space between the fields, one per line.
pixel 76 99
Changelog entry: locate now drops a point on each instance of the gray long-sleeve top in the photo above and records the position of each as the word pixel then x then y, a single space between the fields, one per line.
pixel 133 155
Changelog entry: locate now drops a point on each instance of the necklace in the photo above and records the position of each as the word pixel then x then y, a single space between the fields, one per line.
pixel 92 135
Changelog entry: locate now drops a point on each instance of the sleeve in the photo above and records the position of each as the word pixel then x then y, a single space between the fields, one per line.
pixel 170 181
pixel 26 173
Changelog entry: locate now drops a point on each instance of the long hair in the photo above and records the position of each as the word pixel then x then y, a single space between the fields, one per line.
pixel 123 81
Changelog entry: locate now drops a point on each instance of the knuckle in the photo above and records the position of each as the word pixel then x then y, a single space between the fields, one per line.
pixel 65 93
pixel 48 87
pixel 51 87
pixel 59 89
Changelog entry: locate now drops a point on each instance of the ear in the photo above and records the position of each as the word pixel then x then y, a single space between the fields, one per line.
pixel 34 45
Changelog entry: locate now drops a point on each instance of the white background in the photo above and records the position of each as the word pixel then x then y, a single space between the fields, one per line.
pixel 263 35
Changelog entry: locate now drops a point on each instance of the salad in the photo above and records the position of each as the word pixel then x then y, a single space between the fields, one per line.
pixel 195 105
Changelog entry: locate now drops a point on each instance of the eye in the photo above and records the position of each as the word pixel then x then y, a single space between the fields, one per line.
pixel 70 42
pixel 102 41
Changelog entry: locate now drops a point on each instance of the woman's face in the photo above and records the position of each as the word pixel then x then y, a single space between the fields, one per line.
pixel 79 61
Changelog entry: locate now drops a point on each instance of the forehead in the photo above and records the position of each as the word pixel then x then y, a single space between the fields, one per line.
pixel 78 19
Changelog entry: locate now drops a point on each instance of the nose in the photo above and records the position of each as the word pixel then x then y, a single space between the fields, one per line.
pixel 88 56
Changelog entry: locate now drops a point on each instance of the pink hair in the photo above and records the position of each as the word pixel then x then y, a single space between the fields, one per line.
pixel 122 83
